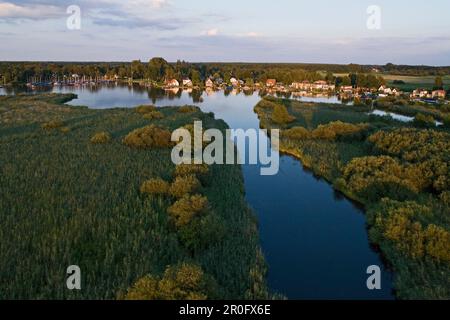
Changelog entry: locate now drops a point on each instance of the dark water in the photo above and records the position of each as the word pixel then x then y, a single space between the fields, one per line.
pixel 315 240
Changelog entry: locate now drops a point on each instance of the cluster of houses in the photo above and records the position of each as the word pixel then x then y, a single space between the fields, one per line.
pixel 384 91
pixel 313 86
pixel 187 83
pixel 425 94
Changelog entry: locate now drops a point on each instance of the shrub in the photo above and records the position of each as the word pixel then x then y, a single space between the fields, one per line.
pixel 65 130
pixel 54 124
pixel 182 282
pixel 100 137
pixel 424 121
pixel 145 109
pixel 154 115
pixel 447 121
pixel 148 137
pixel 155 186
pixel 372 178
pixel 202 232
pixel 184 185
pixel 296 133
pixel 281 115
pixel 188 109
pixel 333 130
pixel 187 208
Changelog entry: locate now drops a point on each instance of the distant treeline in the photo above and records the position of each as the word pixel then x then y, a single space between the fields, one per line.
pixel 158 70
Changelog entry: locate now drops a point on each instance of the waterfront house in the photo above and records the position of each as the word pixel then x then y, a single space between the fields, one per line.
pixel 270 83
pixel 347 89
pixel 439 94
pixel 187 82
pixel 234 82
pixel 320 85
pixel 304 85
pixel 172 83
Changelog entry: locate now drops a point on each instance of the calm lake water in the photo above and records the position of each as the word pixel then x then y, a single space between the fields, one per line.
pixel 314 239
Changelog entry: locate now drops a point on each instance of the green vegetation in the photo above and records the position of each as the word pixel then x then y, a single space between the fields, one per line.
pixel 100 138
pixel 399 171
pixel 108 209
pixel 183 282
pixel 412 108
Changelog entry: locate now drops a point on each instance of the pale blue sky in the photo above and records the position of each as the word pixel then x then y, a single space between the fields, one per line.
pixel 326 31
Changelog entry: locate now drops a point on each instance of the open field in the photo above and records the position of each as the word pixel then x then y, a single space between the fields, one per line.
pixel 411 82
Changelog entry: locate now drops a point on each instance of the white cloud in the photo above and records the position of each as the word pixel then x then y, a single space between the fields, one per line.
pixel 211 32
pixel 11 10
pixel 251 34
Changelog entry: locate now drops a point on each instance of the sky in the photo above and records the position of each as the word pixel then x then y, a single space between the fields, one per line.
pixel 326 31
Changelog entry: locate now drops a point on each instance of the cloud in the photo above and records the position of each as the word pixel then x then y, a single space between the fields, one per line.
pixel 250 34
pixel 10 10
pixel 211 32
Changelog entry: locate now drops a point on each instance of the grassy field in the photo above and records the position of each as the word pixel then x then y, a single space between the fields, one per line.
pixel 411 83
pixel 401 173
pixel 66 200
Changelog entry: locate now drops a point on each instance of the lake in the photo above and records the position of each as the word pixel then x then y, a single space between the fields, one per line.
pixel 314 239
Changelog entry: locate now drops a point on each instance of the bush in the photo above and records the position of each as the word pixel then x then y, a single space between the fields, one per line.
pixel 148 137
pixel 145 109
pixel 100 137
pixel 202 232
pixel 155 186
pixel 336 129
pixel 188 109
pixel 187 208
pixel 154 115
pixel 65 130
pixel 54 124
pixel 372 178
pixel 296 133
pixel 424 121
pixel 184 185
pixel 281 115
pixel 182 282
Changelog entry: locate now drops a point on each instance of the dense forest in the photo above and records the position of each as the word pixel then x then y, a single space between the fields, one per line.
pixel 158 70
pixel 97 189
pixel 399 171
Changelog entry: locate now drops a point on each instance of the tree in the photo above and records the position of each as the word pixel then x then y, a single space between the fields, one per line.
pixel 438 83
pixel 195 77
pixel 137 69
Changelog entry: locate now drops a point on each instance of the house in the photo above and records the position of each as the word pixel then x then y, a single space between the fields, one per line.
pixel 347 89
pixel 173 83
pixel 320 85
pixel 187 82
pixel 209 83
pixel 419 93
pixel 234 82
pixel 304 85
pixel 270 83
pixel 396 92
pixel 439 94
